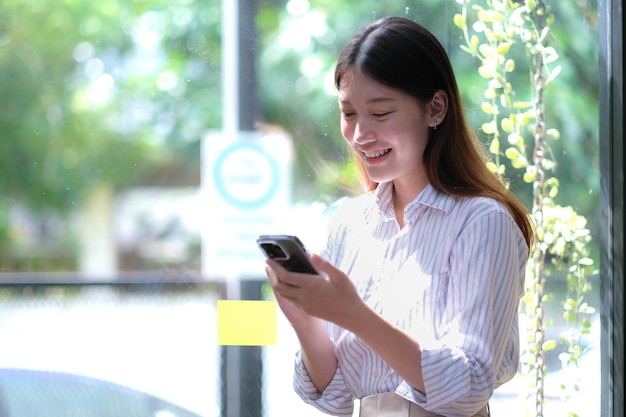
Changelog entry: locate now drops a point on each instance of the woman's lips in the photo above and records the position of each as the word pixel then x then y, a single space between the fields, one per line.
pixel 372 155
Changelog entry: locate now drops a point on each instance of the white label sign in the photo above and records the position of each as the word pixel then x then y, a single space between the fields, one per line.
pixel 246 185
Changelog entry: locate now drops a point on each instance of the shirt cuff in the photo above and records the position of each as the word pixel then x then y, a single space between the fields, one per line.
pixel 336 399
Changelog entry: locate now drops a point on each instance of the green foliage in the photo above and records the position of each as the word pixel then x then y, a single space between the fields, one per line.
pixel 120 80
pixel 118 91
pixel 518 134
pixel 100 92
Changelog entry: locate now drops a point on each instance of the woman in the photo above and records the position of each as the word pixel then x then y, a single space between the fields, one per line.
pixel 414 311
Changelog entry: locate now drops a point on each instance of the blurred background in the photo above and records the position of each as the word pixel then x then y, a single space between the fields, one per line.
pixel 145 143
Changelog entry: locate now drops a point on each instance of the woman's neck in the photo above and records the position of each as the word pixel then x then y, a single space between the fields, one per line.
pixel 403 195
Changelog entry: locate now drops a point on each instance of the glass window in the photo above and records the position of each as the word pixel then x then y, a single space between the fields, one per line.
pixel 145 144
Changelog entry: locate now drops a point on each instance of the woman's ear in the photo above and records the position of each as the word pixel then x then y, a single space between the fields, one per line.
pixel 437 108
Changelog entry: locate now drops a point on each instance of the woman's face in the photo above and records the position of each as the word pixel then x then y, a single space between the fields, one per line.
pixel 387 128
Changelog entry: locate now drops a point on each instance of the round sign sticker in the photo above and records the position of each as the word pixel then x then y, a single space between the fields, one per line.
pixel 245 175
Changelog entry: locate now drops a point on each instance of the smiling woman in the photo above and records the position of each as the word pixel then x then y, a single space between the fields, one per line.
pixel 405 276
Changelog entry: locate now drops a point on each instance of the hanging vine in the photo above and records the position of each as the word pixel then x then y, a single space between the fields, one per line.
pixel 491 33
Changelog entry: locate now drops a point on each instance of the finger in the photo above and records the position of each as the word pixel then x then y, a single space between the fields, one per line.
pixel 322 265
pixel 271 275
pixel 285 276
pixel 279 286
pixel 278 269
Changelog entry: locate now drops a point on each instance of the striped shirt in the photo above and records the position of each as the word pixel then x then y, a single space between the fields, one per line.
pixel 452 279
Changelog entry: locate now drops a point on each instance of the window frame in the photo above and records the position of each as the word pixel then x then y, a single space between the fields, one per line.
pixel 611 114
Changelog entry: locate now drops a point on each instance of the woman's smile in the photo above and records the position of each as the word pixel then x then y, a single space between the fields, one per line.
pixel 376 155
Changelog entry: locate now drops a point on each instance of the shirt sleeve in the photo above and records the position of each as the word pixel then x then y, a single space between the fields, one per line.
pixel 478 323
pixel 336 399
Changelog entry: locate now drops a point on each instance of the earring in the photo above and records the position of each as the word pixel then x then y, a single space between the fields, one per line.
pixel 436 124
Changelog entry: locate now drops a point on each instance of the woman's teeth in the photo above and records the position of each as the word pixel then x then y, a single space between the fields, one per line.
pixel 376 154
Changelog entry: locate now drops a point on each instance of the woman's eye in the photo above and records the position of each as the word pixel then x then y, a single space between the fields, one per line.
pixel 378 115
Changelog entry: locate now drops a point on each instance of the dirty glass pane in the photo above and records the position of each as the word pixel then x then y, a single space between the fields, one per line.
pixel 145 144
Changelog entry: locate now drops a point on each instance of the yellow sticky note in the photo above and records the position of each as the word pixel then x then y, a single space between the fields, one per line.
pixel 246 323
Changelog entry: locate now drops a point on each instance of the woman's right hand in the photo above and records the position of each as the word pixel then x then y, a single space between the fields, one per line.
pixel 292 312
pixel 318 351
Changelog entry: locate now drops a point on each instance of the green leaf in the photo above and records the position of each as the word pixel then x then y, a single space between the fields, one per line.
pixel 508 126
pixel 493 168
pixel 553 134
pixel 553 192
pixel 549 345
pixel 466 49
pixel 490 93
pixel 504 48
pixel 488 108
pixel 530 175
pixel 488 128
pixel 459 21
pixel 570 304
pixel 494 147
pixel 474 41
pixel 515 139
pixel 512 153
pixel 520 163
pixel 509 65
pixel 569 316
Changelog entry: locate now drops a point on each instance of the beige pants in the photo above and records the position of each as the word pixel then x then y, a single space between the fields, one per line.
pixel 392 405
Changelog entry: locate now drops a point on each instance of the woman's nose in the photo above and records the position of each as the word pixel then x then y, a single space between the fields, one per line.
pixel 363 132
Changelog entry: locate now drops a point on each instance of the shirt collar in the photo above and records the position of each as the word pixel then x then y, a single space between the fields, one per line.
pixel 429 196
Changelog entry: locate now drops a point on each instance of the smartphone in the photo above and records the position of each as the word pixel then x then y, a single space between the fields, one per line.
pixel 288 251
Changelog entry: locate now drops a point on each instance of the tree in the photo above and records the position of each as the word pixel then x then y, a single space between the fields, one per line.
pixel 98 93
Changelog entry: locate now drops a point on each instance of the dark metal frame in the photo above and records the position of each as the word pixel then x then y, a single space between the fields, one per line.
pixel 611 59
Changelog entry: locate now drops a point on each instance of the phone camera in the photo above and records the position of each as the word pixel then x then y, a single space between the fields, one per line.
pixel 273 251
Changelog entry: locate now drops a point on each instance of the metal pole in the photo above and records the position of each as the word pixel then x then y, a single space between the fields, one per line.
pixel 241 366
pixel 229 362
pixel 251 365
pixel 230 67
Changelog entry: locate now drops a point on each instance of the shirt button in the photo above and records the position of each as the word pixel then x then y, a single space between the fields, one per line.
pixel 376 373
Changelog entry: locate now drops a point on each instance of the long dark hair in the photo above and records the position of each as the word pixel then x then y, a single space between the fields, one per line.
pixel 402 54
